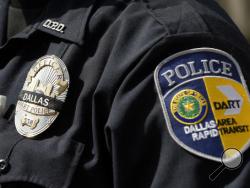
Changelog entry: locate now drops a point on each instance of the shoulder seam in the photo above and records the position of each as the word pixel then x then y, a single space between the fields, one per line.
pixel 151 12
pixel 201 17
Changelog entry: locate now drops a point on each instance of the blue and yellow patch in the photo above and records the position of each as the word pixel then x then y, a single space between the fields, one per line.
pixel 205 101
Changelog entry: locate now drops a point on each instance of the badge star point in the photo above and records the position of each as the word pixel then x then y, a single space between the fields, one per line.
pixel 189 106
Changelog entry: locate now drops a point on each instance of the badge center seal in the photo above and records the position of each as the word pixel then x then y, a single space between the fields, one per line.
pixel 188 106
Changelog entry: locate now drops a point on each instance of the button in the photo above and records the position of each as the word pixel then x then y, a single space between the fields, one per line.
pixel 3 166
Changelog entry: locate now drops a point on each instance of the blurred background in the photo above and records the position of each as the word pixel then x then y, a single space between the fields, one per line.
pixel 239 10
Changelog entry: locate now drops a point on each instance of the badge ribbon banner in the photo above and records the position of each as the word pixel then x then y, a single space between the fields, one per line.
pixel 205 101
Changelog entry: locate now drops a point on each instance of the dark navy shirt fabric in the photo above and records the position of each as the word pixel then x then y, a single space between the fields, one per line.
pixel 111 131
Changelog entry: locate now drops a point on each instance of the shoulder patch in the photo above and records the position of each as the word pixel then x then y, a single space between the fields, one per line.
pixel 205 101
pixel 42 96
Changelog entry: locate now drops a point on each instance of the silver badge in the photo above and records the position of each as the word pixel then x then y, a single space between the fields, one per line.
pixel 42 96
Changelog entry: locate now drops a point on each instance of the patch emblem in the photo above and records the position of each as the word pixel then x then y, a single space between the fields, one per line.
pixel 188 106
pixel 42 96
pixel 205 101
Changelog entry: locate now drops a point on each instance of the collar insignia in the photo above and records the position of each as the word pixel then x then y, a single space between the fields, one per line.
pixel 54 25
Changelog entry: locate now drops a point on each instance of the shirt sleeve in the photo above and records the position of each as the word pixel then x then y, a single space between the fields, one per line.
pixel 144 152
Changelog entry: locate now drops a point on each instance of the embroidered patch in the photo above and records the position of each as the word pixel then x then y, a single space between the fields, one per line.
pixel 42 96
pixel 205 101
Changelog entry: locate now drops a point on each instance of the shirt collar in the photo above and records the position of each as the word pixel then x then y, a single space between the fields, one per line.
pixel 73 14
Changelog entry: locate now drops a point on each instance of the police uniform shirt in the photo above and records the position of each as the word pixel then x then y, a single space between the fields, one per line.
pixel 111 131
pixel 22 13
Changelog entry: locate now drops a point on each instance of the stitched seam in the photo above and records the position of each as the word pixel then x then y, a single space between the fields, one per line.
pixel 82 26
pixel 180 18
pixel 201 18
pixel 24 178
pixel 65 49
pixel 151 12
